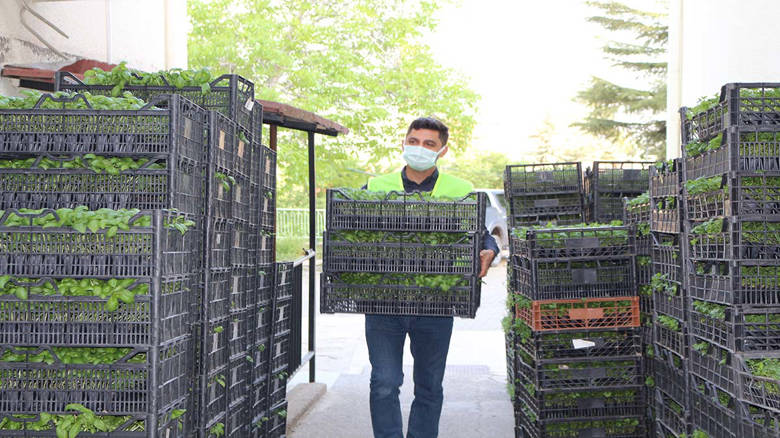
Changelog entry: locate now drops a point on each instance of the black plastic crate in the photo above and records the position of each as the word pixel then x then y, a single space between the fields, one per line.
pixel 544 219
pixel 754 388
pixel 604 427
pixel 230 147
pixel 237 421
pixel 266 248
pixel 667 257
pixel 671 376
pixel 266 286
pixel 550 347
pixel 617 177
pixel 580 405
pixel 605 207
pixel 220 240
pixel 156 257
pixel 404 212
pixel 279 354
pixel 741 104
pixel 745 329
pixel 665 197
pixel 394 294
pixel 245 246
pixel 216 299
pixel 548 178
pixel 268 169
pixel 746 195
pixel 264 203
pixel 243 287
pixel 231 95
pixel 580 373
pixel 165 424
pixel 735 282
pixel 284 280
pixel 670 302
pixel 674 340
pixel 238 375
pixel 213 406
pixel 712 412
pixel 637 213
pixel 573 279
pixel 410 253
pixel 278 388
pixel 560 206
pixel 238 334
pixel 644 269
pixel 671 415
pixel 144 381
pixel 739 150
pixel 270 424
pixel 573 242
pixel 738 239
pixel 713 364
pixel 757 422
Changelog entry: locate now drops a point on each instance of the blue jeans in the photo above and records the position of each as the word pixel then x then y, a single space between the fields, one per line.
pixel 430 342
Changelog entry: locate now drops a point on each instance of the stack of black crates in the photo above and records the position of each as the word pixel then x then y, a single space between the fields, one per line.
pixel 188 362
pixel 670 355
pixel 608 183
pixel 574 355
pixel 402 254
pixel 636 213
pixel 731 191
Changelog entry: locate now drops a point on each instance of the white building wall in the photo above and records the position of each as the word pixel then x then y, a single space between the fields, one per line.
pixel 713 42
pixel 148 34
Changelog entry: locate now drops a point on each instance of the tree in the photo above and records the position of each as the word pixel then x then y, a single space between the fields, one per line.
pixel 362 63
pixel 484 169
pixel 633 113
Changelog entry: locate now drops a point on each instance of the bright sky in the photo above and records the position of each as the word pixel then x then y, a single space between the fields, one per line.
pixel 527 59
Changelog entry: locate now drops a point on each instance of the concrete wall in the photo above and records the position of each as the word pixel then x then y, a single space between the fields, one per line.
pixel 149 34
pixel 713 42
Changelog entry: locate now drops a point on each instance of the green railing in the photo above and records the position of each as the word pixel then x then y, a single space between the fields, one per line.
pixel 294 222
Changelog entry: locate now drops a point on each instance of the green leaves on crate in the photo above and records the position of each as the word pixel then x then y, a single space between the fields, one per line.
pixel 99 164
pixel 712 227
pixel 121 76
pixel 114 290
pixel 712 310
pixel 642 199
pixel 769 368
pixel 702 348
pixel 660 283
pixel 697 148
pixel 704 185
pixel 70 425
pixel 365 195
pixel 30 98
pixel 217 430
pixel 71 355
pixel 669 322
pixel 80 219
pixel 557 239
pixel 441 283
pixel 226 180
pixel 429 238
pixel 621 427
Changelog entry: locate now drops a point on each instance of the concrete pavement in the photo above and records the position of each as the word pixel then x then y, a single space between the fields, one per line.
pixel 476 403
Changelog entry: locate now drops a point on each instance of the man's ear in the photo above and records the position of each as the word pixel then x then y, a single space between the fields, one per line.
pixel 444 151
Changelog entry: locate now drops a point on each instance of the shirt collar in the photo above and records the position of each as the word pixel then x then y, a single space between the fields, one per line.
pixel 428 180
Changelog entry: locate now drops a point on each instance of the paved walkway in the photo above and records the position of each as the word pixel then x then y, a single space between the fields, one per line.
pixel 476 403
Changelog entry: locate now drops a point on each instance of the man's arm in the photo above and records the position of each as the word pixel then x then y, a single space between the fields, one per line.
pixel 488 252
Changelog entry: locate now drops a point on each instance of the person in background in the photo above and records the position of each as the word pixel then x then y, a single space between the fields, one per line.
pixel 424 144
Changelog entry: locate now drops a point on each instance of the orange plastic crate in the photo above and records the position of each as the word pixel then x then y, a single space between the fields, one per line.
pixel 586 313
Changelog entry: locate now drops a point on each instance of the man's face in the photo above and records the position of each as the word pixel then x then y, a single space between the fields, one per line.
pixel 427 138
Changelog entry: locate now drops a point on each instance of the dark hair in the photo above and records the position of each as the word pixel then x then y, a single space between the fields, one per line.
pixel 432 124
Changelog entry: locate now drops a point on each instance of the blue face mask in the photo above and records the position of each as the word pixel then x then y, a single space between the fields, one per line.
pixel 420 158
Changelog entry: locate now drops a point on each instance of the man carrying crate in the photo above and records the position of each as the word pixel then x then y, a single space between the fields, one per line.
pixel 425 142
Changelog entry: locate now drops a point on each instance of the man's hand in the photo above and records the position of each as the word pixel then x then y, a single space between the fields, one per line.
pixel 486 258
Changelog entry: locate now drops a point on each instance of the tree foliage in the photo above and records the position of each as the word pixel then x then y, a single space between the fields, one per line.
pixel 361 63
pixel 628 112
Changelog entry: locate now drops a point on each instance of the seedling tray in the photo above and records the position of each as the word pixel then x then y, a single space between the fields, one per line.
pixel 744 328
pixel 742 150
pixel 526 207
pixel 602 427
pixel 574 242
pixel 389 296
pixel 737 239
pixel 605 207
pixel 713 364
pixel 676 341
pixel 583 314
pixel 580 405
pixel 666 257
pixel 561 345
pixel 760 391
pixel 580 373
pixel 550 178
pixel 402 253
pixel 736 282
pixel 635 214
pixel 672 415
pixel 709 415
pixel 747 196
pixel 757 422
pixel 231 95
pixel 573 279
pixel 404 212
pixel 617 177
pixel 544 219
pixel 671 376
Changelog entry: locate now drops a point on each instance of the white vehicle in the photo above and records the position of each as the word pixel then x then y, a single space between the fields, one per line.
pixel 495 219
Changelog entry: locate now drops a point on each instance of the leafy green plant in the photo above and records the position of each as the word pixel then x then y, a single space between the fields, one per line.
pixel 98 164
pixel 80 219
pixel 122 76
pixel 642 199
pixel 227 181
pixel 669 322
pixel 113 290
pixel 712 310
pixel 704 185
